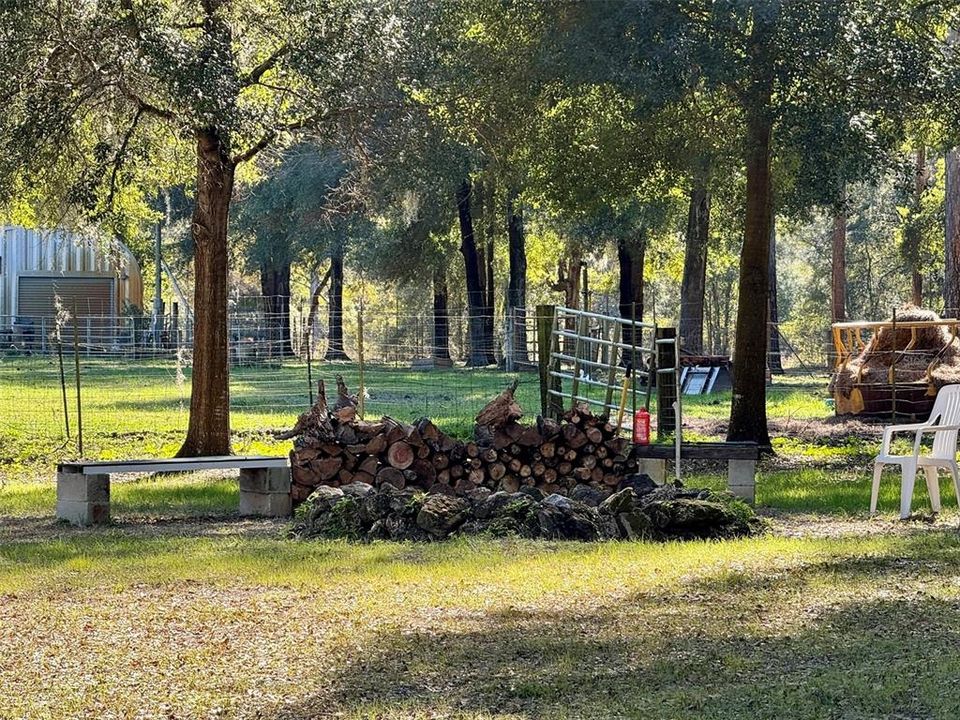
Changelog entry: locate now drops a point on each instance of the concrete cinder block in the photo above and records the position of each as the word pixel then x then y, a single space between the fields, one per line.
pixel 741 479
pixel 656 469
pixel 265 480
pixel 83 488
pixel 82 513
pixel 272 504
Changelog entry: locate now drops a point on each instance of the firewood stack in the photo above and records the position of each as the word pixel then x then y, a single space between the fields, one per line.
pixel 333 447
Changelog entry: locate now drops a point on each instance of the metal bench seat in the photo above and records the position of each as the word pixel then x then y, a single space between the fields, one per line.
pixel 83 486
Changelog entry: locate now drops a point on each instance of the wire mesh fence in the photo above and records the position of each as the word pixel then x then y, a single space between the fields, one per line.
pixel 129 377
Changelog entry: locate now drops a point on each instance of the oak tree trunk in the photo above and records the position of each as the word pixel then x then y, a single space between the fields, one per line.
pixel 775 356
pixel 694 282
pixel 275 289
pixel 951 275
pixel 480 354
pixel 630 258
pixel 441 319
pixel 484 209
pixel 335 348
pixel 912 236
pixel 838 266
pixel 487 249
pixel 568 281
pixel 748 409
pixel 208 430
pixel 318 286
pixel 517 288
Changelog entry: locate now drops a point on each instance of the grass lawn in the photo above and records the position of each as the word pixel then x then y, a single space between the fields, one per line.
pixel 205 620
pixel 182 610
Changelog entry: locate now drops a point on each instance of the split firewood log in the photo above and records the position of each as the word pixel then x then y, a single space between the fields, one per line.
pixel 501 410
pixel 315 421
pixel 400 455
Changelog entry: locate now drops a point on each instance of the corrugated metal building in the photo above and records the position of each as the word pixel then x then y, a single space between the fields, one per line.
pixel 92 277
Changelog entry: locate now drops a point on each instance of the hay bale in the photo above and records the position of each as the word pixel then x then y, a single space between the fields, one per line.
pixel 889 346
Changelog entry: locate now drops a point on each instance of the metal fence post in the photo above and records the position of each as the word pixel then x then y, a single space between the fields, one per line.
pixel 360 390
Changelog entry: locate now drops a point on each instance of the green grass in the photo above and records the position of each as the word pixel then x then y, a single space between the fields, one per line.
pixel 110 622
pixel 139 408
pixel 181 610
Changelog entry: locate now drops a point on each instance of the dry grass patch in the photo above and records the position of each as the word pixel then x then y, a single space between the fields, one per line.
pixel 124 623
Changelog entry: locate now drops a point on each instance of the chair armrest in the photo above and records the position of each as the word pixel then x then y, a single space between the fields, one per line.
pixel 891 430
pixel 931 429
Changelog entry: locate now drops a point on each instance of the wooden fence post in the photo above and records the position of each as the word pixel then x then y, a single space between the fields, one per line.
pixel 545 318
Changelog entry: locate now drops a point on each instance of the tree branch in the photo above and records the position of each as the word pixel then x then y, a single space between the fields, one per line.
pixel 143 105
pixel 121 151
pixel 253 77
pixel 271 135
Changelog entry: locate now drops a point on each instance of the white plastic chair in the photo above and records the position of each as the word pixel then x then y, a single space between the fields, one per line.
pixel 944 423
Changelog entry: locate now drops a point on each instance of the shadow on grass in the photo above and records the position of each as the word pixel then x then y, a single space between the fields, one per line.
pixel 706 651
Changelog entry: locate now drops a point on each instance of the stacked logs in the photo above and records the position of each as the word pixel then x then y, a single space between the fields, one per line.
pixel 333 447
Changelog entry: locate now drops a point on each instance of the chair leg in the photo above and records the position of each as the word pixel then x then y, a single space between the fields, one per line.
pixel 907 484
pixel 933 486
pixel 875 493
pixel 956 481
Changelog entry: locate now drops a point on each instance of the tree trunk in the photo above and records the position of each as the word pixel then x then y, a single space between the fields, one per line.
pixel 335 349
pixel 479 354
pixel 630 258
pixel 318 287
pixel 775 356
pixel 912 233
pixel 208 431
pixel 748 409
pixel 951 275
pixel 275 289
pixel 693 287
pixel 441 319
pixel 568 282
pixel 487 249
pixel 517 288
pixel 838 265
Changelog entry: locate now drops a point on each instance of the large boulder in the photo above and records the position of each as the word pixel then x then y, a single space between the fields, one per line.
pixel 388 513
pixel 560 518
pixel 442 514
pixel 641 483
pixel 694 518
pixel 622 501
pixel 586 494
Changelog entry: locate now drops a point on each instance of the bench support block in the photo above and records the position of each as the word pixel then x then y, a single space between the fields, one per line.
pixel 265 492
pixel 741 479
pixel 654 468
pixel 83 499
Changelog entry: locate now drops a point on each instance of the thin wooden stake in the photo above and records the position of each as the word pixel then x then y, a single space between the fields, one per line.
pixel 310 370
pixel 63 386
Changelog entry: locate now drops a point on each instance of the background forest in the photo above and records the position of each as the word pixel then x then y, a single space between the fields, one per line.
pixel 687 162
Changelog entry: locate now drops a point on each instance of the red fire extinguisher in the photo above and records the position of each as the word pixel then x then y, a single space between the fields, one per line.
pixel 641 427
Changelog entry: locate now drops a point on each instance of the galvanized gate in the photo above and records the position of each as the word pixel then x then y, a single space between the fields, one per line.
pixel 610 363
